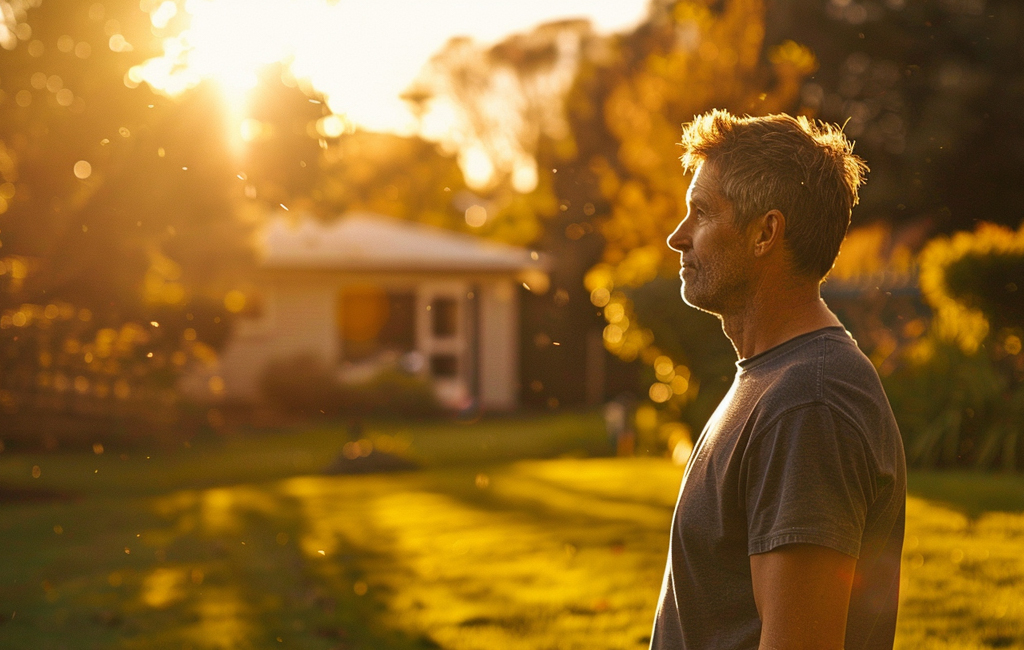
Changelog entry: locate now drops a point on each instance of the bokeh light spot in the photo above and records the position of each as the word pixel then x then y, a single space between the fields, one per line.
pixel 330 126
pixel 216 385
pixel 1012 345
pixel 234 301
pixel 83 169
pixel 660 392
pixel 476 215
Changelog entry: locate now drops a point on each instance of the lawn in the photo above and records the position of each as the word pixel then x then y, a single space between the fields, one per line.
pixel 509 537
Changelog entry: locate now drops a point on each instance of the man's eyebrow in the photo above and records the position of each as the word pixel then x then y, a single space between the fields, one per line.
pixel 699 200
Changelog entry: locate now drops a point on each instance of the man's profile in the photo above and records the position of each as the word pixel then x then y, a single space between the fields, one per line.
pixel 788 529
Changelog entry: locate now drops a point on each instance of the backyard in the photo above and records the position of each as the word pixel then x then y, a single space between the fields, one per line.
pixel 514 533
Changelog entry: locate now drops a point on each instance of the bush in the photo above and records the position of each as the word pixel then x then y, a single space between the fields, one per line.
pixel 305 385
pixel 959 393
pixel 302 384
pixel 394 392
pixel 990 283
pixel 973 282
pixel 957 409
pixel 689 337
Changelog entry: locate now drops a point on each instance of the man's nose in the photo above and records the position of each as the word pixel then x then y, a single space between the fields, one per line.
pixel 679 240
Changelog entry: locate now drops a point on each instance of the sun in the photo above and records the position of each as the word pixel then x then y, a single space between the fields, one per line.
pixel 357 56
pixel 227 41
pixel 328 47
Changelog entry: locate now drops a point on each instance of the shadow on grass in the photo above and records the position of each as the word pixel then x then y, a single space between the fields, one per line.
pixel 218 546
pixel 221 568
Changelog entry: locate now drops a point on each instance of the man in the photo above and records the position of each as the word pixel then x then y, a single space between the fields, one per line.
pixel 788 530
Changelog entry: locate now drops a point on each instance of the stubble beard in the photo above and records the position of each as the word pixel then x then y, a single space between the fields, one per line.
pixel 712 288
pixel 697 295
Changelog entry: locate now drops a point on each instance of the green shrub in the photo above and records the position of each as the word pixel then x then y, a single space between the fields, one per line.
pixel 958 410
pixel 394 392
pixel 306 385
pixel 302 384
pixel 959 393
pixel 991 283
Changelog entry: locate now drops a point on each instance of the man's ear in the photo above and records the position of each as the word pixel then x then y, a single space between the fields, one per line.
pixel 770 229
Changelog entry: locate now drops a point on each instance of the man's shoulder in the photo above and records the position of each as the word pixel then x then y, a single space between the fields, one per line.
pixel 826 368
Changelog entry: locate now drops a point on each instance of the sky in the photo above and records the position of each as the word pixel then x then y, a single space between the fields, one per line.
pixel 360 54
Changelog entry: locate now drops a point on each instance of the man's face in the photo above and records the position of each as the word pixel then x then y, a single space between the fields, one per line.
pixel 715 254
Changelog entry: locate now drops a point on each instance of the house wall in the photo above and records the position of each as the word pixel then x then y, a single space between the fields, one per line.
pixel 298 319
pixel 499 345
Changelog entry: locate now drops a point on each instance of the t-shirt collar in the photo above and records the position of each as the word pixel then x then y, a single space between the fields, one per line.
pixel 745 365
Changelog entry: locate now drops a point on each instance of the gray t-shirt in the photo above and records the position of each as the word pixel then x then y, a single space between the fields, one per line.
pixel 803 449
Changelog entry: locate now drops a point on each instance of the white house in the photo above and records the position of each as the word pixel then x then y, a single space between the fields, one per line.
pixel 366 292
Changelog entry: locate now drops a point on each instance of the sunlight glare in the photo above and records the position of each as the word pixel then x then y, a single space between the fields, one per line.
pixel 359 56
pixel 228 41
pixel 477 167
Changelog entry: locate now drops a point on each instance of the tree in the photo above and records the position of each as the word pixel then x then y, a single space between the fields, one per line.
pixel 930 91
pixel 958 392
pixel 614 174
pixel 119 234
pixel 403 177
pixel 507 119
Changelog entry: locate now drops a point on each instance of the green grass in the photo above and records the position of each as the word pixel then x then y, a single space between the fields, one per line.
pixel 242 542
pixel 963 565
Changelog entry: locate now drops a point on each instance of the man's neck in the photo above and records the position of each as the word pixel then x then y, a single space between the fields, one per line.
pixel 772 316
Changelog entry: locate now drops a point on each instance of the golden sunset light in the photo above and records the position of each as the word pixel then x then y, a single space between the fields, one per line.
pixel 360 56
pixel 511 324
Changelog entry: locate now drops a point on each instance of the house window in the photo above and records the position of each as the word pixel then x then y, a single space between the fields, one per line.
pixel 445 317
pixel 444 365
pixel 373 321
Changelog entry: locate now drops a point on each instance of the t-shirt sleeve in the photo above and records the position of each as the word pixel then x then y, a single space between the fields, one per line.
pixel 806 479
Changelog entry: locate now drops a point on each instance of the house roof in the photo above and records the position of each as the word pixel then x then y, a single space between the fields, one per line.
pixel 371 242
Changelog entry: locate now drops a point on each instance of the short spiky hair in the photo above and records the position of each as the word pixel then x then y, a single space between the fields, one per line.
pixel 803 168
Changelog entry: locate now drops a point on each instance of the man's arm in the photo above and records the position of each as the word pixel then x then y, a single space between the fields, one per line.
pixel 802 593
